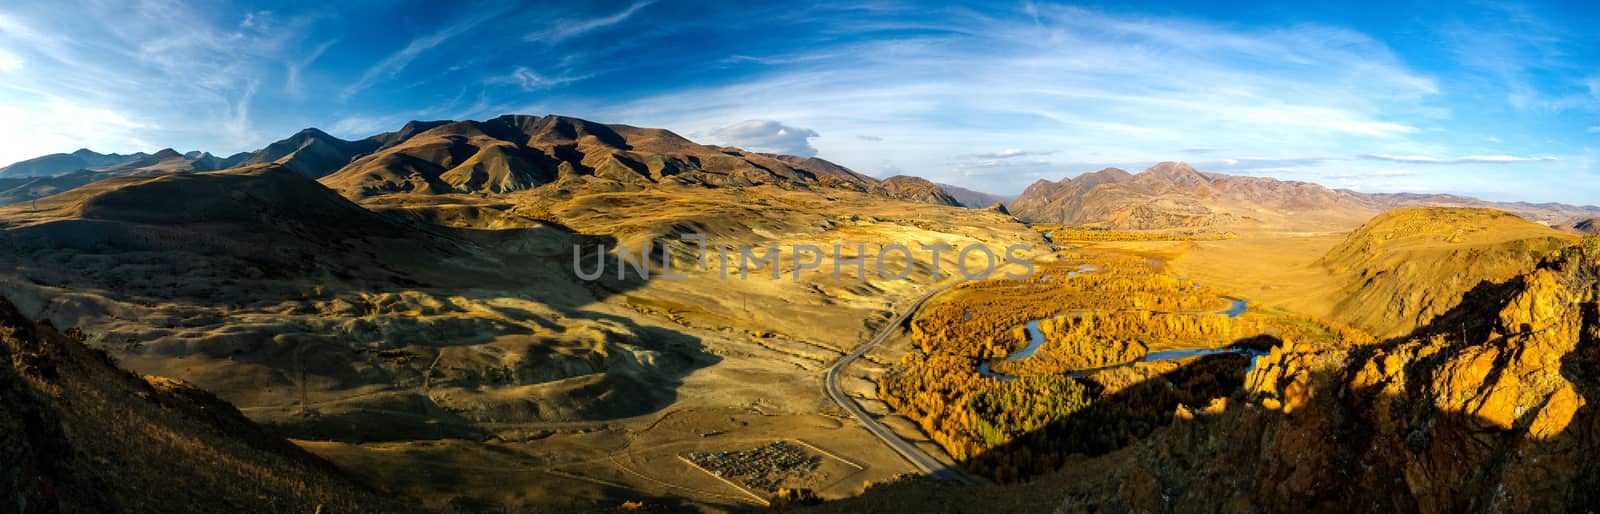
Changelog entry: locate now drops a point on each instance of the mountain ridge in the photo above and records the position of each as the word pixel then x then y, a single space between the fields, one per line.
pixel 518 152
pixel 1175 195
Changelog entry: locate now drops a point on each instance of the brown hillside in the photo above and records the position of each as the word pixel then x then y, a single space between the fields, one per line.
pixel 516 152
pixel 312 152
pixel 1165 196
pixel 917 189
pixel 1175 195
pixel 1407 266
pixel 78 434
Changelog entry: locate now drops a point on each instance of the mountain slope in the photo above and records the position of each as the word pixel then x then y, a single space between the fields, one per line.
pixel 263 221
pixel 1407 266
pixel 81 435
pixel 917 189
pixel 1174 195
pixel 313 153
pixel 973 199
pixel 516 152
pixel 1164 196
pixel 58 163
pixel 1588 226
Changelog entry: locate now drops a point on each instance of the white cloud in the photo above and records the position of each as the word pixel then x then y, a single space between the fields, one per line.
pixel 767 136
pixel 1010 153
pixel 530 80
pixel 1468 159
pixel 1096 87
pixel 9 62
pixel 566 29
pixel 137 76
pixel 59 124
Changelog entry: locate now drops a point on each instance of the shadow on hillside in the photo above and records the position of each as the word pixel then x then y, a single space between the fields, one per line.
pixel 1376 447
pixel 1119 419
pixel 295 265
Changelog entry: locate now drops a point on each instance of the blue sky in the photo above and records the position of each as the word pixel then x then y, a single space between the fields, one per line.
pixel 1498 100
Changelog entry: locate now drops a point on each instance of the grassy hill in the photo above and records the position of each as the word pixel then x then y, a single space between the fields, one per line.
pixel 1406 266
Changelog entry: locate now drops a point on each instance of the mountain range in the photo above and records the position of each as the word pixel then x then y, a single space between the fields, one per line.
pixel 1175 195
pixel 519 152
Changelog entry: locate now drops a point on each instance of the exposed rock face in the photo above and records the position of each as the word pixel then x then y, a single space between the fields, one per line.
pixel 917 189
pixel 1406 266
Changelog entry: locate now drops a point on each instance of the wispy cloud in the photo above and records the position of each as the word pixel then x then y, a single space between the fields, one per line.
pixel 566 29
pixel 291 80
pixel 397 62
pixel 1469 159
pixel 1012 153
pixel 1100 87
pixel 530 80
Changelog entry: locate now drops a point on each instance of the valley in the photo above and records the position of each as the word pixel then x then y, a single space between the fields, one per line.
pixel 264 256
pixel 415 311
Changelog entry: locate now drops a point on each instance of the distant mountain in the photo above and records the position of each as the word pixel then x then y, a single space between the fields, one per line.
pixel 973 199
pixel 314 153
pixel 1175 195
pixel 58 163
pixel 917 189
pixel 1166 196
pixel 518 152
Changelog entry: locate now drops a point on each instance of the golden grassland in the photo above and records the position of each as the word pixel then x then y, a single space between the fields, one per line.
pixel 1078 233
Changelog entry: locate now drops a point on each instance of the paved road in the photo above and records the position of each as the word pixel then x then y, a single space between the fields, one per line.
pixel 918 458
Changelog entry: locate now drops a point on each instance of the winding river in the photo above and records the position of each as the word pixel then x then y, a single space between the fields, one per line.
pixel 1036 339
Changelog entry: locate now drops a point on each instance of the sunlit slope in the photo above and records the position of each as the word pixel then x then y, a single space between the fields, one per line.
pixel 517 153
pixel 1406 266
